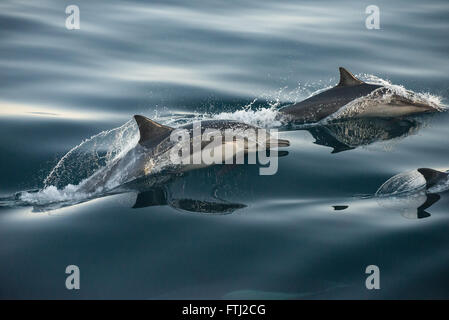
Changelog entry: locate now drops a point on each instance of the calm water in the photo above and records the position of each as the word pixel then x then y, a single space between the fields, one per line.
pixel 308 231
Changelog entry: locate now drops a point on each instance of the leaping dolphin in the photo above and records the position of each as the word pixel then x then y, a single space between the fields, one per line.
pixel 155 144
pixel 385 103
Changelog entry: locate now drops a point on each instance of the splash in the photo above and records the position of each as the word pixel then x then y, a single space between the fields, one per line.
pixel 52 195
pixel 402 183
pixel 407 194
pixel 92 154
pixel 409 182
pixel 265 117
pixel 262 117
pixel 262 111
pixel 80 164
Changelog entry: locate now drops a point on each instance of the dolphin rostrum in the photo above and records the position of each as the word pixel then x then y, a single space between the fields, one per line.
pixel 154 148
pixel 383 103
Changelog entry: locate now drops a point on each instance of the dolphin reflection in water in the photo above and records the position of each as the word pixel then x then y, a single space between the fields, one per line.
pixel 350 134
pixel 208 190
pixel 163 195
pixel 211 191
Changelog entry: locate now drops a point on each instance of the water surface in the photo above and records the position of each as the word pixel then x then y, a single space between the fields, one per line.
pixel 307 232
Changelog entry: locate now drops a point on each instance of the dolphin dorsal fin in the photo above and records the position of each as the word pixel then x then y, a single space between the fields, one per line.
pixel 347 79
pixel 151 132
pixel 432 176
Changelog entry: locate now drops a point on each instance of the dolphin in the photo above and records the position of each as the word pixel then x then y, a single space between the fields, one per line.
pixel 384 102
pixel 154 147
pixel 411 193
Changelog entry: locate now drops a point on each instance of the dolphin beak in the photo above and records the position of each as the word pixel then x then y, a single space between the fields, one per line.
pixel 424 106
pixel 419 105
pixel 428 108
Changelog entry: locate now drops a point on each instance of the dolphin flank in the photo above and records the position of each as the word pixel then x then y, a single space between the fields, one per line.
pixel 347 90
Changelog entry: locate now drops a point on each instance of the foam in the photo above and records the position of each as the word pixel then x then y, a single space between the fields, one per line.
pixel 52 194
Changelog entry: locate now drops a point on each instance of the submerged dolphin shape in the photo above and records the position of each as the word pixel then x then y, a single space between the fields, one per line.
pixel 154 147
pixel 158 196
pixel 165 188
pixel 413 192
pixel 350 89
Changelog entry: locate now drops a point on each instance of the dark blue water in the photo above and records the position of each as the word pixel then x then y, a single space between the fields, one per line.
pixel 309 231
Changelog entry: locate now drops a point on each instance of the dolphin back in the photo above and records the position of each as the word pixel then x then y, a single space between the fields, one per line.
pixel 328 102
